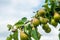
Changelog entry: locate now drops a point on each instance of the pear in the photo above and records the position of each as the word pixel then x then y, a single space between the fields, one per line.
pixel 54 23
pixel 41 12
pixel 56 16
pixel 46 28
pixel 23 36
pixel 35 22
pixel 43 20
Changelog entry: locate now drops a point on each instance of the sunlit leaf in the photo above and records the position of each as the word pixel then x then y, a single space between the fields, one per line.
pixel 19 23
pixel 46 1
pixel 15 35
pixel 9 26
pixel 59 36
pixel 27 30
pixel 24 19
pixel 34 34
pixel 9 37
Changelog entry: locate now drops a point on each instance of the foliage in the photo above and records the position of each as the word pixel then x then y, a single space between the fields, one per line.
pixel 49 14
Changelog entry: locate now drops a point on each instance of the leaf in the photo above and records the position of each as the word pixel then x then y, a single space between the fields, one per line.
pixel 57 9
pixel 59 36
pixel 30 29
pixel 52 0
pixel 9 26
pixel 27 30
pixel 24 19
pixel 19 23
pixel 35 34
pixel 15 35
pixel 10 37
pixel 27 27
pixel 39 35
pixel 59 21
pixel 59 29
pixel 46 1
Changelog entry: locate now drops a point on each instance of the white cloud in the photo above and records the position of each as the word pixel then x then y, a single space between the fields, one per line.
pixel 31 3
pixel 49 38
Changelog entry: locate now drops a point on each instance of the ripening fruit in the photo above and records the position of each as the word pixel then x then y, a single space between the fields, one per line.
pixel 41 12
pixel 23 36
pixel 53 22
pixel 56 16
pixel 46 28
pixel 43 20
pixel 35 22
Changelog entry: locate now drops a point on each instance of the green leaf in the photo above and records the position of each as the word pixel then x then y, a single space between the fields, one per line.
pixel 9 37
pixel 9 26
pixel 46 1
pixel 24 19
pixel 19 23
pixel 27 30
pixel 59 36
pixel 59 29
pixel 52 0
pixel 27 27
pixel 35 34
pixel 39 35
pixel 15 35
pixel 30 29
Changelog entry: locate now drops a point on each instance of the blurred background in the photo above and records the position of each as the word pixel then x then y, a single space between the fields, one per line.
pixel 13 10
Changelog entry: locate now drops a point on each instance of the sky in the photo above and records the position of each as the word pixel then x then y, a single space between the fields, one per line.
pixel 13 10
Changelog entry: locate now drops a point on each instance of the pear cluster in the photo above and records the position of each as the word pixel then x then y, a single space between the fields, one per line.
pixel 41 19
